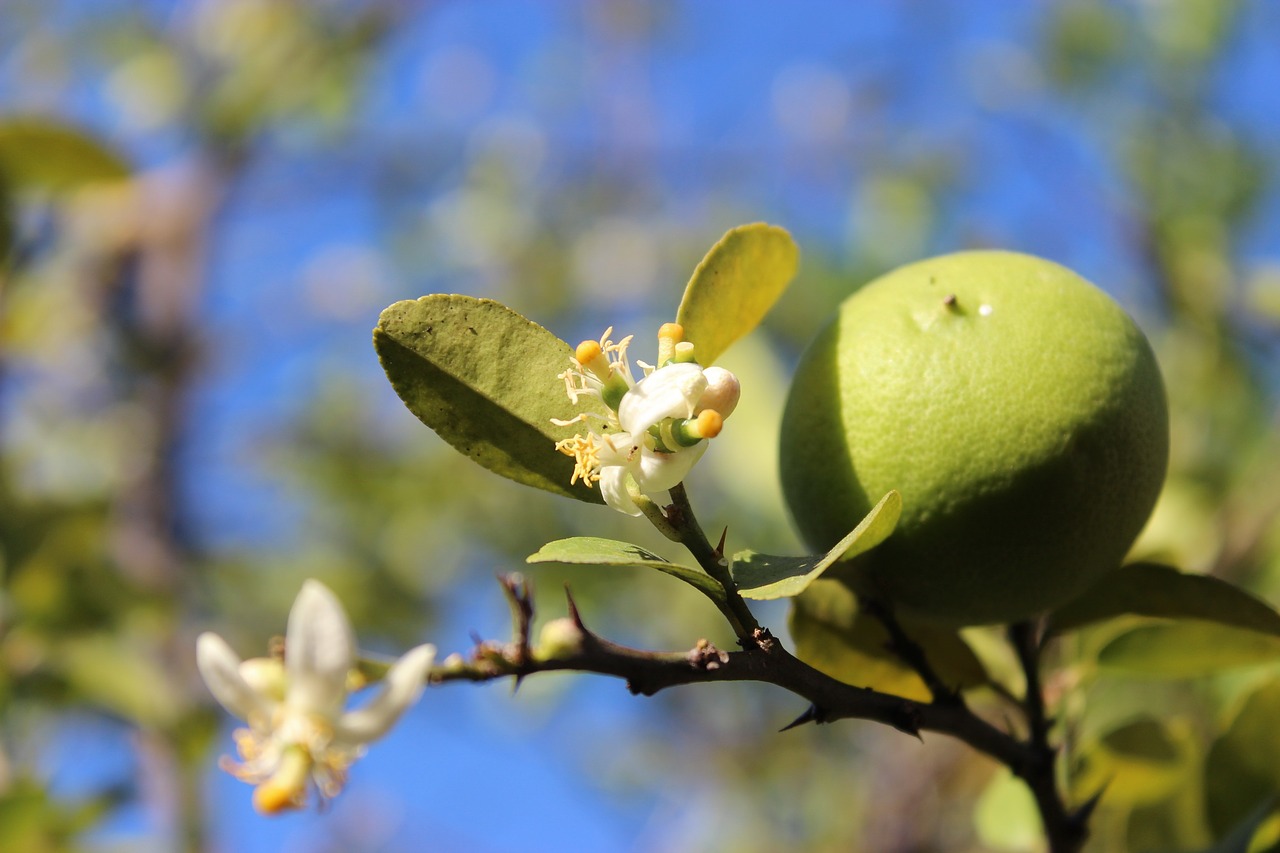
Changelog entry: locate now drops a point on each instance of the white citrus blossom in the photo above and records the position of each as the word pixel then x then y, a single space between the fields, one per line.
pixel 300 731
pixel 654 429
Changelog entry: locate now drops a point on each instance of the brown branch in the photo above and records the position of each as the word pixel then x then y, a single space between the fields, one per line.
pixel 764 660
pixel 1067 831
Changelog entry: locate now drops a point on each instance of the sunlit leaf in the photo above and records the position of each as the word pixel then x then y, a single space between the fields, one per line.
pixel 1187 649
pixel 833 635
pixel 1150 589
pixel 44 154
pixel 1242 771
pixel 1005 815
pixel 764 576
pixel 484 378
pixel 1139 762
pixel 735 285
pixel 593 551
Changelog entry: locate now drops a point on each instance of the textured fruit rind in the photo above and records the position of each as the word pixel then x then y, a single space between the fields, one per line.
pixel 1016 407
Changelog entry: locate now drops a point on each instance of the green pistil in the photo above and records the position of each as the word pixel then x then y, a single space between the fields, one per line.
pixel 614 389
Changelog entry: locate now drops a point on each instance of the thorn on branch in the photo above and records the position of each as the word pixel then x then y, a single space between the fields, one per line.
pixel 574 613
pixel 1079 819
pixel 724 534
pixel 812 714
pixel 907 720
pixel 519 594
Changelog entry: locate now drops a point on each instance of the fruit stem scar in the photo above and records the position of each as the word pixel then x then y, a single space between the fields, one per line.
pixel 950 300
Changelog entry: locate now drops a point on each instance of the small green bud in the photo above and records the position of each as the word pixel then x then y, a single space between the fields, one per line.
pixel 559 638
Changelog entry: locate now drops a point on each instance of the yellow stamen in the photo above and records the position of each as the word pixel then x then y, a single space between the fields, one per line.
pixel 669 335
pixel 586 457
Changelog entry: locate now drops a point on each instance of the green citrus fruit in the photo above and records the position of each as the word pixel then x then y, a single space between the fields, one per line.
pixel 1015 406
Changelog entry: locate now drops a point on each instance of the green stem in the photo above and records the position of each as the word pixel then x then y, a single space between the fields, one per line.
pixel 680 516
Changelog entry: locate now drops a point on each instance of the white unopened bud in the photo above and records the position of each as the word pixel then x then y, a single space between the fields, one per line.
pixel 722 391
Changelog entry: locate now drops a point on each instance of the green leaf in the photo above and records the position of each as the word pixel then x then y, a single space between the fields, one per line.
pixel 593 551
pixel 39 153
pixel 765 577
pixel 1137 763
pixel 120 676
pixel 1258 832
pixel 734 286
pixel 834 636
pixel 1150 589
pixel 1242 771
pixel 1005 815
pixel 484 378
pixel 1186 649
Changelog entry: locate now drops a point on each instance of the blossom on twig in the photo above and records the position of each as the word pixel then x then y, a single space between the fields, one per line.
pixel 300 731
pixel 656 428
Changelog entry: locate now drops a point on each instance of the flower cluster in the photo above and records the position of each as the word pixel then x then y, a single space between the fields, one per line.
pixel 655 428
pixel 300 732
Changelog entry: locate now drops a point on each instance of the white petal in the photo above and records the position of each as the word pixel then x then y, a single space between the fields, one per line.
pixel 400 689
pixel 658 472
pixel 220 668
pixel 613 488
pixel 319 650
pixel 669 392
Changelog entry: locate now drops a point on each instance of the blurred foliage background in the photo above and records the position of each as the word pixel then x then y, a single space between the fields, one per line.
pixel 204 206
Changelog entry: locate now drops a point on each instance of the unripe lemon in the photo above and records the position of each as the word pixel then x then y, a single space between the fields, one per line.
pixel 1015 406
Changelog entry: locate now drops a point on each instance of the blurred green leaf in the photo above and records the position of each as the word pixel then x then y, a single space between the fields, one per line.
pixel 765 577
pixel 1258 832
pixel 833 635
pixel 1005 815
pixel 484 378
pixel 1242 771
pixel 1150 589
pixel 593 551
pixel 1186 649
pixel 44 154
pixel 735 285
pixel 119 676
pixel 33 822
pixel 1141 761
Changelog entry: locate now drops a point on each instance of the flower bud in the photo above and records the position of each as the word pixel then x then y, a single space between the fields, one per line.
pixel 559 638
pixel 722 391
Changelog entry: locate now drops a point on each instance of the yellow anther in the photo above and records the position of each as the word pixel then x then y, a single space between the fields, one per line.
pixel 669 335
pixel 709 423
pixel 591 356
